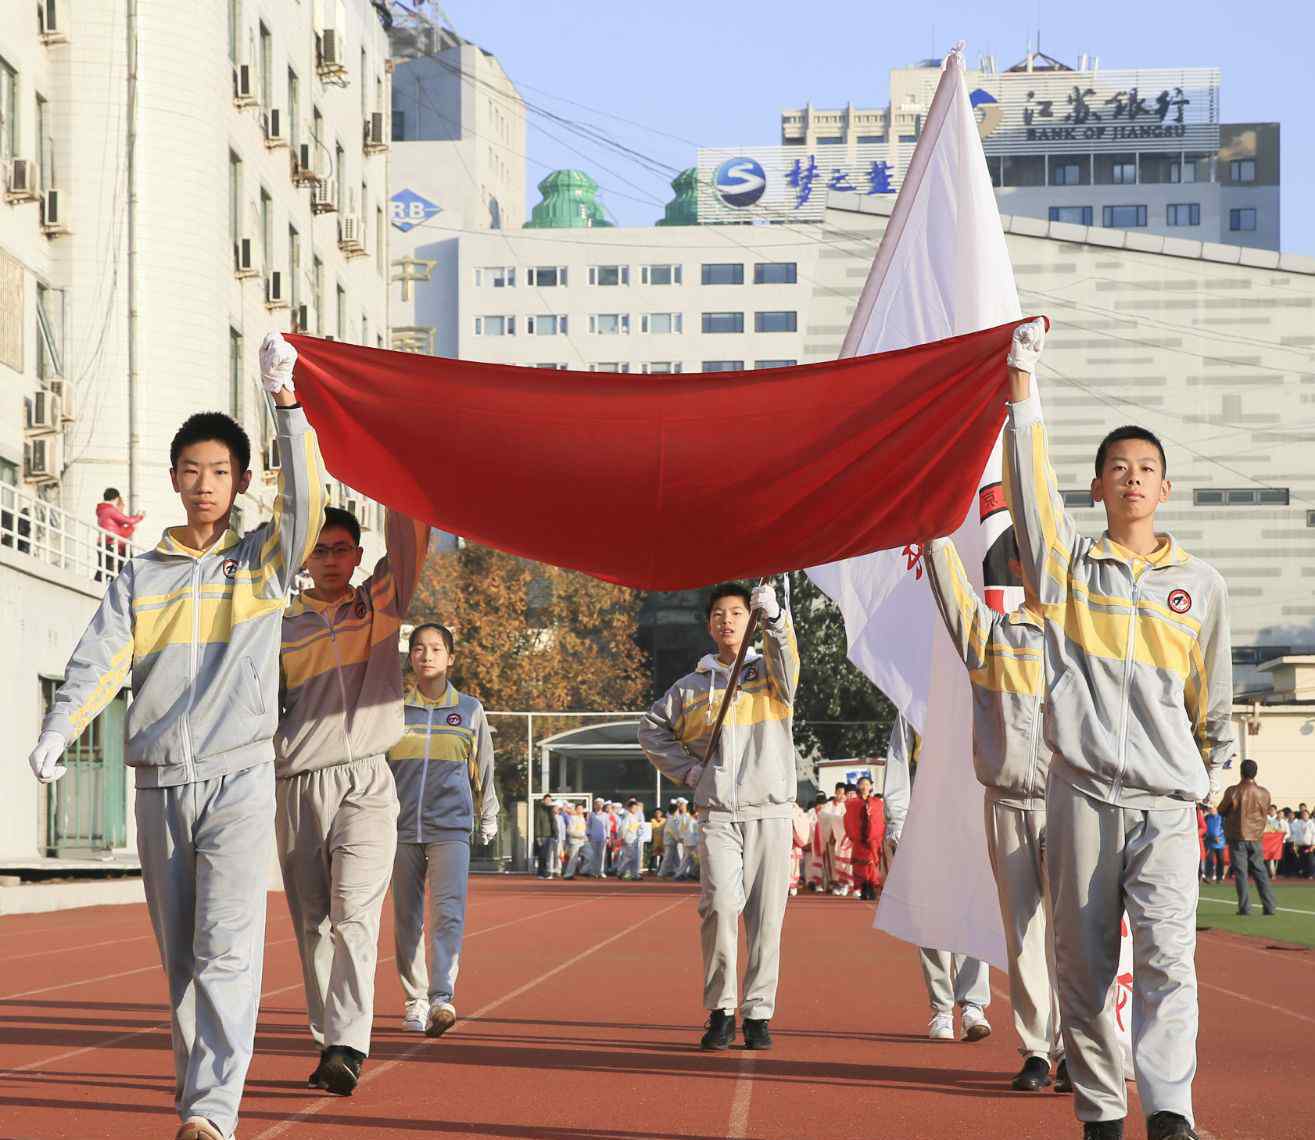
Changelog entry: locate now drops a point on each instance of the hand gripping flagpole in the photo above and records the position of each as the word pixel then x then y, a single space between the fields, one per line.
pixel 733 682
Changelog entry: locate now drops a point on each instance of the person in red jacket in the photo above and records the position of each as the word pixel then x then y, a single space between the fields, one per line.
pixel 118 527
pixel 865 826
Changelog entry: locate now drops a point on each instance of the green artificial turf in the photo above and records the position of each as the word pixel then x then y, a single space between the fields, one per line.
pixel 1294 922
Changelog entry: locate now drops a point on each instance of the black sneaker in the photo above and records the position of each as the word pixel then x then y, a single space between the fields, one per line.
pixel 341 1069
pixel 1102 1130
pixel 316 1079
pixel 1034 1075
pixel 756 1033
pixel 720 1030
pixel 1169 1126
pixel 1063 1082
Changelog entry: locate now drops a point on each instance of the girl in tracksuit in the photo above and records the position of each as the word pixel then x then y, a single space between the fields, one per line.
pixel 443 766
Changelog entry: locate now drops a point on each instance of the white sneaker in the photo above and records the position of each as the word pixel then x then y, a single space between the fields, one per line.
pixel 941 1027
pixel 416 1017
pixel 975 1025
pixel 442 1017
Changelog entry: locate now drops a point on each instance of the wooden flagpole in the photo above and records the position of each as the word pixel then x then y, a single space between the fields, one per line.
pixel 733 681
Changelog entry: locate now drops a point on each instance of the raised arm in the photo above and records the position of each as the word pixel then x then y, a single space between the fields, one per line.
pixel 780 649
pixel 397 573
pixel 969 619
pixel 659 738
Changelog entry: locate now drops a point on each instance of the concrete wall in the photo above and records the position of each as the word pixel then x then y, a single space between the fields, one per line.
pixel 1284 749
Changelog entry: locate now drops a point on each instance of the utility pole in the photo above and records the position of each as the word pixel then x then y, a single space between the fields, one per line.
pixel 134 400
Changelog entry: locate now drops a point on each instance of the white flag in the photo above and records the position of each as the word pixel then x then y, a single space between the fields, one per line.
pixel 942 270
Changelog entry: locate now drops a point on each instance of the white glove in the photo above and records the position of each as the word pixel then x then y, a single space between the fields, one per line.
pixel 1216 787
pixel 46 756
pixel 1025 351
pixel 764 598
pixel 488 831
pixel 277 358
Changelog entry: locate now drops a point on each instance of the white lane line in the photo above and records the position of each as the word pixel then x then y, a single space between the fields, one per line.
pixel 85 1049
pixel 71 949
pixel 1256 1001
pixel 1233 904
pixel 741 1100
pixel 318 1106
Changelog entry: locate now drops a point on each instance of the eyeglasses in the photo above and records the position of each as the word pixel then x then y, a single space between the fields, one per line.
pixel 337 550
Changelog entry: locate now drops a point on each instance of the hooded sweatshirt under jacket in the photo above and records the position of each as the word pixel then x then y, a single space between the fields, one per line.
pixel 1138 663
pixel 752 775
pixel 1005 655
pixel 341 691
pixel 198 630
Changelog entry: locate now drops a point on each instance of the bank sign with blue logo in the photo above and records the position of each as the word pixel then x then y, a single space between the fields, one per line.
pixel 792 183
pixel 407 209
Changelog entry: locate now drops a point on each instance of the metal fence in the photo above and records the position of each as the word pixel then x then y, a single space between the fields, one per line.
pixel 49 533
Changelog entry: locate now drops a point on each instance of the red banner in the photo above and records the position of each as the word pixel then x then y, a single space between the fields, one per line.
pixel 1271 845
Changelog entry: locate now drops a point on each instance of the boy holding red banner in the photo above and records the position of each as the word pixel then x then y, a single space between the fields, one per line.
pixel 1139 688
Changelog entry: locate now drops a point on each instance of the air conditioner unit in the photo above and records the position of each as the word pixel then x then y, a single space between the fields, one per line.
pixel 322 198
pixel 243 89
pixel 349 233
pixel 50 20
pixel 52 219
pixel 273 122
pixel 24 182
pixel 374 133
pixel 303 170
pixel 41 459
pixel 43 414
pixel 244 257
pixel 301 319
pixel 63 392
pixel 274 298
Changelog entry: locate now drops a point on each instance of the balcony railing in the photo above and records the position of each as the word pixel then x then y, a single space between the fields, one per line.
pixel 50 534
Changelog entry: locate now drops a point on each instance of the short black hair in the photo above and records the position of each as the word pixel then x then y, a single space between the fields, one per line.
pixel 840 787
pixel 336 516
pixel 206 426
pixel 851 787
pixel 728 590
pixel 1249 769
pixel 1129 431
pixel 441 630
pixel 111 493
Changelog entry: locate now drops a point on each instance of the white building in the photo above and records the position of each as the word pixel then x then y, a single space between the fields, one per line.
pixel 249 186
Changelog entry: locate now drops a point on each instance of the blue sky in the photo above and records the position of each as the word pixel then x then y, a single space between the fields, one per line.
pixel 693 72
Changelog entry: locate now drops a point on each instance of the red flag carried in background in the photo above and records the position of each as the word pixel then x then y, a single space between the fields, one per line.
pixel 666 482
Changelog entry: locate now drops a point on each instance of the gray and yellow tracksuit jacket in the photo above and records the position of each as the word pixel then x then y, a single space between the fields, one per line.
pixel 1006 668
pixel 752 775
pixel 443 766
pixel 341 681
pixel 198 633
pixel 1138 652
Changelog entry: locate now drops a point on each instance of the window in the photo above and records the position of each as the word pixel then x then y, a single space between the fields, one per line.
pixel 723 273
pixel 1123 217
pixel 317 293
pixel 1184 214
pixel 234 30
pixel 775 363
pixel 1242 220
pixel 864 139
pixel 266 66
pixel 45 155
pixel 1078 498
pixel 723 366
pixel 552 366
pixel 547 276
pixel 294 270
pixel 831 140
pixel 365 328
pixel 776 321
pixel 1065 174
pixel 662 324
pixel 609 324
pixel 908 138
pixel 723 322
pixel 1116 169
pixel 546 324
pixel 1073 215
pixel 234 201
pixel 342 313
pixel 609 275
pixel 1242 170
pixel 611 366
pixel 380 241
pixel 1124 173
pixel 775 273
pixel 495 326
pixel 1310 518
pixel 660 275
pixel 496 276
pixel 1024 170
pixel 1241 497
pixel 266 230
pixel 340 175
pixel 293 129
pixel 665 367
pixel 399 125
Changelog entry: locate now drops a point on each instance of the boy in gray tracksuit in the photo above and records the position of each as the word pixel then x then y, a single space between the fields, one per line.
pixel 336 821
pixel 742 795
pixel 1139 688
pixel 1004 655
pixel 443 766
pixel 195 624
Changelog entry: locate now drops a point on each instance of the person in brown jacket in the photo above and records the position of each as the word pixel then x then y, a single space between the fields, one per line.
pixel 1244 808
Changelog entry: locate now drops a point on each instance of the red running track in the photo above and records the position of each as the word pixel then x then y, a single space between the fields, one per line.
pixel 580 1016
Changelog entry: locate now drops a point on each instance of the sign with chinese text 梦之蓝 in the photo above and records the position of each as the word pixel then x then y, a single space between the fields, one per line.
pixel 791 183
pixel 1075 111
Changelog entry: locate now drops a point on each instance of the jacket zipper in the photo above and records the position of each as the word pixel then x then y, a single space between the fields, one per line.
pixel 191 675
pixel 424 773
pixel 1127 685
pixel 1036 741
pixel 342 686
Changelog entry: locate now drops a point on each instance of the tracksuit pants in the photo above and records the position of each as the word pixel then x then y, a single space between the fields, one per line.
pixel 746 868
pixel 1015 841
pixel 336 830
pixel 1246 857
pixel 444 867
pixel 954 979
pixel 1103 859
pixel 597 857
pixel 673 856
pixel 553 857
pixel 577 857
pixel 204 849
